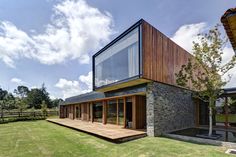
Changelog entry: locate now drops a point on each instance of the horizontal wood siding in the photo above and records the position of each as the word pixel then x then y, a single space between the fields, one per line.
pixel 162 58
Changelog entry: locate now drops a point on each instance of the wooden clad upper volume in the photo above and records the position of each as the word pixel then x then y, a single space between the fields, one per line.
pixel 161 57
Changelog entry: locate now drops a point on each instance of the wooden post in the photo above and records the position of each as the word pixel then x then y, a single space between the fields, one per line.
pixel 104 112
pixel 226 113
pixel 134 112
pixel 117 111
pixel 87 106
pixel 91 112
pixel 124 99
pixel 74 112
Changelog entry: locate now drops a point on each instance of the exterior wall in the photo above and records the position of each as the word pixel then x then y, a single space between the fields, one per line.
pixel 168 108
pixel 125 91
pixel 161 57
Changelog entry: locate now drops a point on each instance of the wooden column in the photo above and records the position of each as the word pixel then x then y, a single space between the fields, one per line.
pixel 83 112
pixel 87 106
pixel 74 112
pixel 91 112
pixel 104 112
pixel 134 112
pixel 117 111
pixel 124 99
pixel 226 113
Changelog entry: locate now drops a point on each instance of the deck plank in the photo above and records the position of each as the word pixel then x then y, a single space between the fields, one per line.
pixel 109 131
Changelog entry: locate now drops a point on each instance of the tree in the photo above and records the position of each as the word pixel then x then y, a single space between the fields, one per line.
pixel 3 98
pixel 22 91
pixel 21 105
pixel 10 102
pixel 36 96
pixel 55 103
pixel 206 70
pixel 44 108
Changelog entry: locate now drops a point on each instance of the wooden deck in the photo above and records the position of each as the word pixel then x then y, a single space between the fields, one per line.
pixel 109 132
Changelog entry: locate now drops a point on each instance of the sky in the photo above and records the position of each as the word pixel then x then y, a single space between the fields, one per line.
pixel 52 41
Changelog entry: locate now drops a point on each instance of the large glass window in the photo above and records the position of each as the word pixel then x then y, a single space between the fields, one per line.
pixel 97 112
pixel 118 62
pixel 112 112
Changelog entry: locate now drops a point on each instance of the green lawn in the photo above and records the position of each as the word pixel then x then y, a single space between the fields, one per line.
pixel 41 138
pixel 221 118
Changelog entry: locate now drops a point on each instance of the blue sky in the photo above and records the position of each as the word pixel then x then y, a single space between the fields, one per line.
pixel 52 41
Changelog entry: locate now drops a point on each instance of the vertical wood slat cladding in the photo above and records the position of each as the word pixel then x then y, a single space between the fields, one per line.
pixel 140 114
pixel 84 112
pixel 162 58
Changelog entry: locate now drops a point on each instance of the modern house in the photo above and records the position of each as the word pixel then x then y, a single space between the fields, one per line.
pixel 134 85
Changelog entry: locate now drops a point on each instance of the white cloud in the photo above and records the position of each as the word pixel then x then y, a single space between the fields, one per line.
pixel 75 87
pixel 76 30
pixel 185 36
pixel 87 80
pixel 17 81
pixel 228 53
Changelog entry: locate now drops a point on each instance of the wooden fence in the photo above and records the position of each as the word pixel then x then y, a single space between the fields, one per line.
pixel 25 114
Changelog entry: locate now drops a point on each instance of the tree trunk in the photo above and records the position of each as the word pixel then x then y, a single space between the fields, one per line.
pixel 211 102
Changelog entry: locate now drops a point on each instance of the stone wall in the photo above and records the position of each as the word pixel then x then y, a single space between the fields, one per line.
pixel 168 108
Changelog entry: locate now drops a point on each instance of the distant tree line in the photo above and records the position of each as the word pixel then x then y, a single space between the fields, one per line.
pixel 25 98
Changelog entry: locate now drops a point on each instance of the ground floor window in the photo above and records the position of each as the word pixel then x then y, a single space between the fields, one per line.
pixel 120 111
pixel 78 111
pixel 112 112
pixel 97 111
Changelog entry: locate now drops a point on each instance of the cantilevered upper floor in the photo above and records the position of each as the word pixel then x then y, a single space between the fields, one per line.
pixel 140 54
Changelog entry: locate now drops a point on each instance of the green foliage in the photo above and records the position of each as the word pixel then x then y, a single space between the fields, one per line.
pixel 206 70
pixel 17 119
pixel 44 108
pixel 37 96
pixel 21 104
pixel 55 103
pixel 22 91
pixel 25 99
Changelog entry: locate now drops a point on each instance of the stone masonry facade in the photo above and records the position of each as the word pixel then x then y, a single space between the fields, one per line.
pixel 169 108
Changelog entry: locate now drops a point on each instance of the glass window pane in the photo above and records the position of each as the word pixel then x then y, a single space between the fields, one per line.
pixel 121 111
pixel 97 112
pixel 118 62
pixel 112 112
pixel 78 111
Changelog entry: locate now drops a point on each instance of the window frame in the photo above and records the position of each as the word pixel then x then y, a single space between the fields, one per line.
pixel 136 25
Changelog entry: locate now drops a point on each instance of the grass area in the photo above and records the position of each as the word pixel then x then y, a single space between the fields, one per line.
pixel 41 138
pixel 221 118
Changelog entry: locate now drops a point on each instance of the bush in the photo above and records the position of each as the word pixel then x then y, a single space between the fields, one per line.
pixel 16 119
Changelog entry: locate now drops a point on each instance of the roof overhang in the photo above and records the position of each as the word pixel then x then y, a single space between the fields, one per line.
pixel 228 92
pixel 229 23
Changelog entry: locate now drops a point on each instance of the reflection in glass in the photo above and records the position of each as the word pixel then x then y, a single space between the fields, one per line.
pixel 112 112
pixel 118 62
pixel 78 111
pixel 97 112
pixel 121 111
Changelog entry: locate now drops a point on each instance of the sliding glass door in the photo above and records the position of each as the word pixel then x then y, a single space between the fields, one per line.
pixel 112 112
pixel 97 112
pixel 78 111
pixel 121 112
